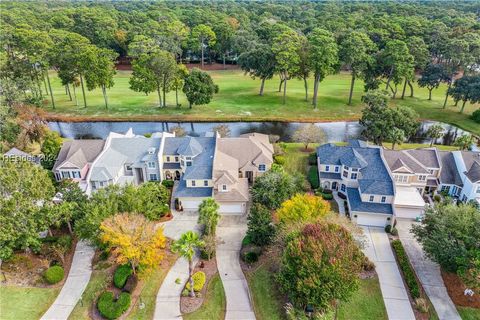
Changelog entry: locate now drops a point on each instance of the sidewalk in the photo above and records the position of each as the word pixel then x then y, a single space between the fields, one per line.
pixel 76 282
pixel 230 233
pixel 378 250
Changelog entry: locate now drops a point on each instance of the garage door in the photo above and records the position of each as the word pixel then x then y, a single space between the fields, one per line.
pixel 371 220
pixel 410 213
pixel 232 208
pixel 190 205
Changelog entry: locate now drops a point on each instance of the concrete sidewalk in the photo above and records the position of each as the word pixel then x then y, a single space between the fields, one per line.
pixel 76 282
pixel 230 233
pixel 428 272
pixel 378 250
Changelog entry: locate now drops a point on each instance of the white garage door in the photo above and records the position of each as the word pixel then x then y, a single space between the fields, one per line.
pixel 410 213
pixel 371 220
pixel 190 205
pixel 232 208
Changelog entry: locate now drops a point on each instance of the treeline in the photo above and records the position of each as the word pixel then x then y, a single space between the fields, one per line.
pixel 384 44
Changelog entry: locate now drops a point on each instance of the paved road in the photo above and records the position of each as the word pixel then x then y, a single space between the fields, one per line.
pixel 378 250
pixel 167 305
pixel 76 282
pixel 230 233
pixel 428 272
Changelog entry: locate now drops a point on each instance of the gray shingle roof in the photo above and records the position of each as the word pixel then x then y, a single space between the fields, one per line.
pixel 171 165
pixel 449 173
pixel 427 157
pixel 396 159
pixel 181 190
pixel 472 164
pixel 79 152
pixel 356 204
pixel 351 158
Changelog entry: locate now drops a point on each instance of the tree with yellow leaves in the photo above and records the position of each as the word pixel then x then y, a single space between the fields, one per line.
pixel 302 208
pixel 134 240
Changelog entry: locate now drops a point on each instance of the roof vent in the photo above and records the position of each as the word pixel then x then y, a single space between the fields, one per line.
pixel 151 150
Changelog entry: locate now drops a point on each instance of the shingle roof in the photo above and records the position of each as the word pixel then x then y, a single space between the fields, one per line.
pixel 351 158
pixel 356 204
pixel 181 190
pixel 449 173
pixel 396 159
pixel 427 157
pixel 79 152
pixel 191 147
pixel 472 165
pixel 330 175
pixel 171 165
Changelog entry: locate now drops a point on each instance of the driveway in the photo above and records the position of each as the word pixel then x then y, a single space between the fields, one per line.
pixel 76 282
pixel 378 250
pixel 428 272
pixel 167 304
pixel 230 233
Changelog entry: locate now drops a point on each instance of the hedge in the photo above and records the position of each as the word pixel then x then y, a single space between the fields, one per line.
pixel 407 270
pixel 168 184
pixel 476 116
pixel 312 159
pixel 54 274
pixel 280 160
pixel 121 275
pixel 199 279
pixel 110 308
pixel 327 196
pixel 313 177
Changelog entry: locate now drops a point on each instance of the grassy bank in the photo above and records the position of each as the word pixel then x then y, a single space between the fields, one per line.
pixel 469 313
pixel 214 305
pixel 25 303
pixel 238 99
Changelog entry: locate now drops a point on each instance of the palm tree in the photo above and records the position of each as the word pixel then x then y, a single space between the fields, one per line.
pixel 186 246
pixel 464 142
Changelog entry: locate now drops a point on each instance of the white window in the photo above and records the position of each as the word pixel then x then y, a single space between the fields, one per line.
pixel 371 198
pixel 153 177
pixel 337 169
pixel 327 168
pixel 188 158
pixel 384 199
pixel 346 168
pixel 151 164
pixel 422 178
pixel 342 187
pixel 57 175
pixel 353 176
pixel 101 184
pixel 75 174
pixel 193 183
pixel 354 169
pixel 345 174
pixel 65 174
pixel 176 159
pixel 224 187
pixel 261 167
pixel 205 183
pixel 128 167
pixel 478 189
pixel 189 163
pixel 400 178
pixel 168 159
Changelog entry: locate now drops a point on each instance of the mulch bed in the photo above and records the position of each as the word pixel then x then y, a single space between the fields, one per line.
pixel 456 289
pixel 189 304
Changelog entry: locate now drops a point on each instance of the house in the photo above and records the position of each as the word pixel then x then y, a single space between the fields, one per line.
pixel 360 173
pixel 450 180
pixel 126 159
pixel 17 154
pixel 75 159
pixel 468 166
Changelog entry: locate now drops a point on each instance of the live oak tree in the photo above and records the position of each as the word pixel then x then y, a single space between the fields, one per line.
pixel 202 36
pixel 467 88
pixel 421 57
pixel 324 57
pixel 199 87
pixel 258 63
pixel 101 72
pixel 134 240
pixel 432 76
pixel 308 134
pixel 398 63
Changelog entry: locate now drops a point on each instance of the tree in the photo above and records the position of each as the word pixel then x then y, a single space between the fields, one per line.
pixel 320 265
pixel 150 199
pixel 421 57
pixel 309 133
pixel 324 57
pixel 465 141
pixel 101 72
pixel 222 129
pixel 302 208
pixel 274 187
pixel 261 229
pixel 134 240
pixel 51 145
pixel 208 215
pixel 225 31
pixel 178 80
pixel 356 50
pixel 199 87
pixel 396 136
pixel 432 76
pixel 467 88
pixel 449 235
pixel 434 132
pixel 186 247
pixel 202 37
pixel 398 62
pixel 258 63
pixel 285 48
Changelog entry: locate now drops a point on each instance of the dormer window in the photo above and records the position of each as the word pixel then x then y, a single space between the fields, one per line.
pixel 337 169
pixel 346 168
pixel 176 159
pixel 384 199
pixel 168 159
pixel 193 183
pixel 151 164
pixel 327 168
pixel 224 187
pixel 371 198
pixel 261 167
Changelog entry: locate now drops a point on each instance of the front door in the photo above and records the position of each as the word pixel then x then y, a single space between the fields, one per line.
pixel 334 186
pixel 249 175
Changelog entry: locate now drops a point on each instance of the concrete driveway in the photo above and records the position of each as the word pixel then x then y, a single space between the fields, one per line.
pixel 428 272
pixel 378 250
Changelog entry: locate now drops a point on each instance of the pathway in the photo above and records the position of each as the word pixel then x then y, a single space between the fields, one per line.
pixel 340 203
pixel 428 272
pixel 230 232
pixel 378 250
pixel 167 305
pixel 76 282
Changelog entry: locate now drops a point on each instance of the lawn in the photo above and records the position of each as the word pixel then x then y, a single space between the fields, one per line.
pixel 469 313
pixel 296 159
pixel 213 307
pixel 238 100
pixel 25 303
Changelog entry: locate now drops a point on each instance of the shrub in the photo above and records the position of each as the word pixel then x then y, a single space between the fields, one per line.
pixel 437 198
pixel 394 231
pixel 388 228
pixel 111 308
pixel 368 265
pixel 121 275
pixel 261 229
pixel 280 160
pixel 65 242
pixel 476 116
pixel 168 183
pixel 54 274
pixel 327 196
pixel 407 270
pixel 327 191
pixel 313 177
pixel 312 159
pixel 421 305
pixel 131 283
pixel 250 257
pixel 199 279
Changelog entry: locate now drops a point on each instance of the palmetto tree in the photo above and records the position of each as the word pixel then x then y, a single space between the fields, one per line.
pixel 186 246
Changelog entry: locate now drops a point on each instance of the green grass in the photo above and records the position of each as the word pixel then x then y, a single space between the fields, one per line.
pixel 296 160
pixel 98 282
pixel 238 99
pixel 366 303
pixel 25 303
pixel 214 304
pixel 469 313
